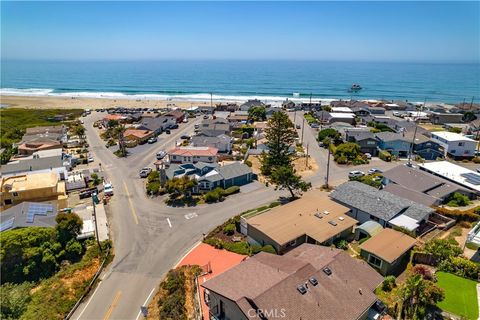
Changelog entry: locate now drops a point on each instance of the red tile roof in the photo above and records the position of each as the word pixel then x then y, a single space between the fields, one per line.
pixel 113 117
pixel 137 133
pixel 193 151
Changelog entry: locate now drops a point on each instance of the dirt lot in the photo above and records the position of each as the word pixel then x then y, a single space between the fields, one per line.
pixel 299 164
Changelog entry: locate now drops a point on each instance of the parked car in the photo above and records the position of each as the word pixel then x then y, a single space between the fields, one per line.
pixel 355 174
pixel 152 140
pixel 197 126
pixel 167 131
pixel 185 137
pixel 374 170
pixel 298 126
pixel 185 120
pixel 175 126
pixel 90 159
pixel 108 189
pixel 368 155
pixel 161 155
pixel 145 172
pixel 315 125
pixel 205 117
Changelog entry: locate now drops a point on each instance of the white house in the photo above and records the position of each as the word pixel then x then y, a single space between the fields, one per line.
pixel 455 145
pixel 192 155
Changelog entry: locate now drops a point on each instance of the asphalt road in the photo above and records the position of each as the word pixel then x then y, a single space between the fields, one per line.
pixel 150 237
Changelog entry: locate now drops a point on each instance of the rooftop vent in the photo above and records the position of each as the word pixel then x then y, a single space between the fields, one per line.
pixel 333 223
pixel 318 215
pixel 301 288
pixel 327 271
pixel 313 281
pixel 326 212
pixel 341 218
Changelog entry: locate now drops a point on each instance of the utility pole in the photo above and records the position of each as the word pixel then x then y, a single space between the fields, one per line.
pixel 211 99
pixel 471 103
pixel 409 163
pixel 306 158
pixel 303 128
pixel 294 115
pixel 310 99
pixel 328 168
pixel 94 199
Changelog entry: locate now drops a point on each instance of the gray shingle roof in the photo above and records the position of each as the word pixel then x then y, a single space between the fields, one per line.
pixel 380 204
pixel 19 215
pixel 32 165
pixel 390 136
pixel 360 134
pixel 233 170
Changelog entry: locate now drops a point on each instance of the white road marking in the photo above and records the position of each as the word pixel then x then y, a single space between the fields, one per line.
pixel 89 300
pixel 145 303
pixel 169 223
pixel 191 215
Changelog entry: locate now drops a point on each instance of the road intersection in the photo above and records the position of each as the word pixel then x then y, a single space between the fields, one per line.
pixel 150 237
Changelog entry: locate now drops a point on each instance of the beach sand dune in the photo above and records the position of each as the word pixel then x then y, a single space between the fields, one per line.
pixel 91 103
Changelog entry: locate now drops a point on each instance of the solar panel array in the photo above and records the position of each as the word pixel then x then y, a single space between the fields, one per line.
pixel 472 178
pixel 7 224
pixel 40 209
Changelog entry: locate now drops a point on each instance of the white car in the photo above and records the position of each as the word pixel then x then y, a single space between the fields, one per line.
pixel 185 120
pixel 356 174
pixel 90 159
pixel 108 189
pixel 368 155
pixel 161 155
pixel 374 170
pixel 145 172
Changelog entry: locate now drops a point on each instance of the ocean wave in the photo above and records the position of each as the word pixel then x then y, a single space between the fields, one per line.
pixel 34 92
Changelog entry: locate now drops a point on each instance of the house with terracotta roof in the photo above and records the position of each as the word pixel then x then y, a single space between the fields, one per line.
pixel 179 115
pixel 30 147
pixel 388 251
pixel 310 283
pixel 314 218
pixel 112 117
pixel 134 137
pixel 192 154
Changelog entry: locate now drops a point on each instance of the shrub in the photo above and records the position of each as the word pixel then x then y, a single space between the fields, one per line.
pixel 458 200
pixel 385 155
pixel 268 248
pixel 231 190
pixel 212 196
pixel 153 176
pixel 459 215
pixel 461 267
pixel 229 229
pixel 248 163
pixel 241 247
pixel 424 271
pixel 341 244
pixel 476 160
pixel 442 249
pixel 274 204
pixel 153 187
pixel 389 283
pixel 341 160
pixel 363 240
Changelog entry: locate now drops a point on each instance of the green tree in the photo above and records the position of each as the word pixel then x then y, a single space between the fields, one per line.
pixel 280 135
pixel 469 116
pixel 95 179
pixel 180 186
pixel 329 133
pixel 349 150
pixel 112 123
pixel 443 249
pixel 68 226
pixel 416 294
pixel 14 298
pixel 257 113
pixel 285 177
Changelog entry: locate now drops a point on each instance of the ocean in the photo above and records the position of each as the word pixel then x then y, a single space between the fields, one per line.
pixel 241 80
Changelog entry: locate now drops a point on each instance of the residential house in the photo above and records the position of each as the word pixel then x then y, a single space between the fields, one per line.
pixel 133 137
pixel 250 104
pixel 365 139
pixel 214 127
pixel 452 172
pixel 395 143
pixel 230 107
pixel 421 186
pixel 113 117
pixel 388 251
pixel 239 117
pixel 222 114
pixel 341 110
pixel 312 219
pixel 29 214
pixel 310 282
pixel 342 117
pixel 367 203
pixel 309 106
pixel 229 175
pixel 423 145
pixel 38 144
pixel 445 117
pixel 62 129
pixel 39 162
pixel 157 125
pixel 206 109
pixel 192 155
pixel 222 142
pixel 178 115
pixel 456 145
pixel 32 187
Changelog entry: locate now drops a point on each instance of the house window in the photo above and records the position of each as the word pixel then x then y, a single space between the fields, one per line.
pixel 374 261
pixel 461 144
pixel 15 194
pixel 8 201
pixel 452 151
pixel 467 151
pixel 374 218
pixel 292 243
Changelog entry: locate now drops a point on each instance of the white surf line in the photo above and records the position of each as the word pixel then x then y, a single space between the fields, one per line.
pixel 169 223
pixel 145 303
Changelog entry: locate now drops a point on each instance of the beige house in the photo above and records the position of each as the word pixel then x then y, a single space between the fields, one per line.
pixel 312 219
pixel 32 187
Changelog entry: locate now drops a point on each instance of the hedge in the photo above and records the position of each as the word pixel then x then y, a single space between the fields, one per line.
pixel 385 155
pixel 459 215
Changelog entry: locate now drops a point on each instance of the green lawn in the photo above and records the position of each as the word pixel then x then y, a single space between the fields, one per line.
pixel 460 295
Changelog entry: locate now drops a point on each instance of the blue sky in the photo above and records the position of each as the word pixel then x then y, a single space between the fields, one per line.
pixel 353 31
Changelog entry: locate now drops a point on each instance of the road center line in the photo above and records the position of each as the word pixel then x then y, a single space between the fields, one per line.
pixel 112 306
pixel 89 300
pixel 134 213
pixel 145 303
pixel 169 223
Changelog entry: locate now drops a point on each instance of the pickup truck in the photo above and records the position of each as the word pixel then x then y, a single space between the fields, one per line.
pixel 145 172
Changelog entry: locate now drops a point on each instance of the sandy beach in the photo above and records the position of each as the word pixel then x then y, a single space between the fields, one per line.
pixel 91 103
